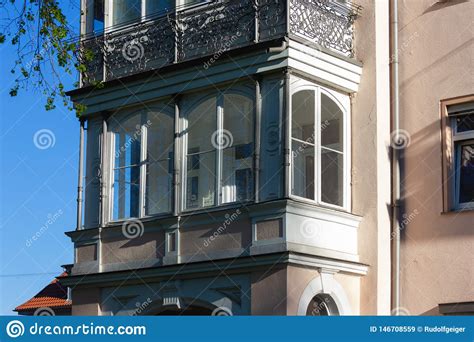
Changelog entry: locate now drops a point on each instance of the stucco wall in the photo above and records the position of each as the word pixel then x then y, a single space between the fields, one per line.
pixel 86 301
pixel 436 56
pixel 300 277
pixel 370 165
pixel 269 292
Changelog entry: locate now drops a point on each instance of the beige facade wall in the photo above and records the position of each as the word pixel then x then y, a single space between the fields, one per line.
pixel 299 278
pixel 436 56
pixel 269 292
pixel 370 164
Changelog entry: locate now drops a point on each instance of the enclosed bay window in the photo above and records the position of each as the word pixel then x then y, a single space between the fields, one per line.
pixel 129 11
pixel 319 156
pixel 219 152
pixel 142 164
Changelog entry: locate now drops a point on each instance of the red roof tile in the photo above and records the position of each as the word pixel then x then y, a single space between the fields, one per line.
pixel 54 295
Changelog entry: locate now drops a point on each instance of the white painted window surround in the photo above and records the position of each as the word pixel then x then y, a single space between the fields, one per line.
pixel 320 143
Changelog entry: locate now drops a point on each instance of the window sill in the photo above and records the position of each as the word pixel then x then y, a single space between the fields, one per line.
pixel 320 204
pixel 458 211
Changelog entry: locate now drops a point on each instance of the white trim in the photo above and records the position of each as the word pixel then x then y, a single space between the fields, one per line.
pixel 325 283
pixel 338 72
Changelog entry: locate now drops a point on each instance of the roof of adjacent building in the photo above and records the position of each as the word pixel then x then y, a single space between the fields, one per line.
pixel 53 296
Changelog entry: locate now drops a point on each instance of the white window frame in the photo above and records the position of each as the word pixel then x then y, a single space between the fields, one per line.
pixel 343 101
pixel 219 112
pixel 143 169
pixel 459 140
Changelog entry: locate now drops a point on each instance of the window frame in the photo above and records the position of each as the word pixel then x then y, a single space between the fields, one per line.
pixel 143 163
pixel 343 102
pixel 219 152
pixel 459 140
pixel 450 155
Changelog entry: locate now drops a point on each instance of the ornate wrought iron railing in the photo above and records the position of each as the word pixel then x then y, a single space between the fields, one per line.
pixel 212 29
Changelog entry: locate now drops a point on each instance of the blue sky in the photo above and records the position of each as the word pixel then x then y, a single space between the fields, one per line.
pixel 37 186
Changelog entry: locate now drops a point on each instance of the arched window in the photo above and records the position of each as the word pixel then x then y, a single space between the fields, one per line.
pixel 318 147
pixel 219 159
pixel 142 164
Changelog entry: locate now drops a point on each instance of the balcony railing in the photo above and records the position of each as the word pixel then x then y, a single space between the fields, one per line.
pixel 212 29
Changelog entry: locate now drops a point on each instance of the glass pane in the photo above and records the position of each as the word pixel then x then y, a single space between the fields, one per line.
pixel 154 7
pixel 201 126
pixel 237 173
pixel 160 136
pixel 126 189
pixel 331 124
pixel 466 186
pixel 237 165
pixel 238 119
pixel 127 133
pixel 158 190
pixel 332 173
pixel 125 11
pixel 303 170
pixel 201 180
pixel 127 149
pixel 302 119
pixel 464 123
pixel 98 24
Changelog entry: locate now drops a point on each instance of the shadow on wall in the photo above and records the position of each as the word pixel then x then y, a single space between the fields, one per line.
pixel 422 196
pixel 443 4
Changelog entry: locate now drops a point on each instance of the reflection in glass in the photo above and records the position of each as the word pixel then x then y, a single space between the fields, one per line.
pixel 332 175
pixel 302 123
pixel 126 184
pixel 466 174
pixel 237 165
pixel 303 170
pixel 125 11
